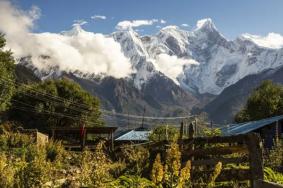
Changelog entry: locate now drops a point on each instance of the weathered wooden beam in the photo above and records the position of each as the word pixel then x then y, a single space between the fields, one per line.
pixel 181 131
pixel 235 160
pixel 225 150
pixel 225 175
pixel 217 139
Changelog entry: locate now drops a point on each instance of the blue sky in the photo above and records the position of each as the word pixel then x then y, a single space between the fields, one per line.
pixel 232 18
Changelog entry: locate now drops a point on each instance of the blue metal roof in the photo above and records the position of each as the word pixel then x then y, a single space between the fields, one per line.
pixel 243 128
pixel 135 135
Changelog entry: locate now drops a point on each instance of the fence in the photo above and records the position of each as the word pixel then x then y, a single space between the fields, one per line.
pixel 206 152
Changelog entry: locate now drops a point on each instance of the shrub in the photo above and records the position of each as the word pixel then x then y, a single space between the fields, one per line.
pixel 273 176
pixel 19 140
pixel 3 142
pixel 164 133
pixel 35 173
pixel 131 181
pixel 6 172
pixel 136 158
pixel 171 175
pixel 54 151
pixel 157 171
pixel 215 174
pixel 274 157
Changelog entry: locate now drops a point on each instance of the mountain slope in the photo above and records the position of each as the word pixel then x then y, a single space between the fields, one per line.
pixel 224 107
pixel 120 95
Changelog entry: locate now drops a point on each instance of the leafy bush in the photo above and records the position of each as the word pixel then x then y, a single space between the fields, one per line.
pixel 274 157
pixel 6 172
pixel 19 140
pixel 54 151
pixel 35 173
pixel 136 158
pixel 171 174
pixel 131 181
pixel 272 176
pixel 160 133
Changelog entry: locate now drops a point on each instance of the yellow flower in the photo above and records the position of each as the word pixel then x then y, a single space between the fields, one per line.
pixel 157 172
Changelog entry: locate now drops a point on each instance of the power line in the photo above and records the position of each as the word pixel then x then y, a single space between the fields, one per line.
pixel 31 108
pixel 102 110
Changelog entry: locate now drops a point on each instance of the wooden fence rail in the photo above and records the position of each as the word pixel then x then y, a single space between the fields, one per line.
pixel 206 152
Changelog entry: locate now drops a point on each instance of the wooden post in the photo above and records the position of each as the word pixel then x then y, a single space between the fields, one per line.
pixel 191 137
pixel 53 134
pixel 255 157
pixel 83 139
pixel 277 132
pixel 191 131
pixel 181 130
pixel 112 141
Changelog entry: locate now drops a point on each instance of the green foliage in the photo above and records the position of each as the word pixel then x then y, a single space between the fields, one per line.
pixel 272 176
pixel 7 75
pixel 215 174
pixel 265 101
pixel 170 174
pixel 6 172
pixel 35 173
pixel 35 109
pixel 274 157
pixel 132 181
pixel 211 132
pixel 55 151
pixel 160 133
pixel 136 158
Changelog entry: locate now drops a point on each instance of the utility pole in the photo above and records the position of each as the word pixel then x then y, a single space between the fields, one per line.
pixel 128 116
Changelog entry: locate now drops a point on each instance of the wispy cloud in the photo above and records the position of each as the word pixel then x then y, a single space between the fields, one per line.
pixel 98 17
pixel 163 21
pixel 79 22
pixel 185 25
pixel 126 24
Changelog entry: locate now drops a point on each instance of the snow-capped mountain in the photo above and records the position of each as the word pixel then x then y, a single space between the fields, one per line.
pixel 165 68
pixel 219 61
pixel 201 60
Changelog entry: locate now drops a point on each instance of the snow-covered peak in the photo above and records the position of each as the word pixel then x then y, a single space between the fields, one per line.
pixel 205 24
pixel 175 39
pixel 272 40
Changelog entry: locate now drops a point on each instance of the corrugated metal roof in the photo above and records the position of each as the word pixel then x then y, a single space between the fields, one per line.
pixel 243 128
pixel 135 135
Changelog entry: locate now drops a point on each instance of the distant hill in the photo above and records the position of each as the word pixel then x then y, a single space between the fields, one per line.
pixel 224 107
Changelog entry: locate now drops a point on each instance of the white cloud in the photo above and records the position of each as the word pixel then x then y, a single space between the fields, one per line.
pixel 272 40
pixel 185 25
pixel 98 17
pixel 163 21
pixel 172 66
pixel 83 51
pixel 158 26
pixel 126 24
pixel 79 22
